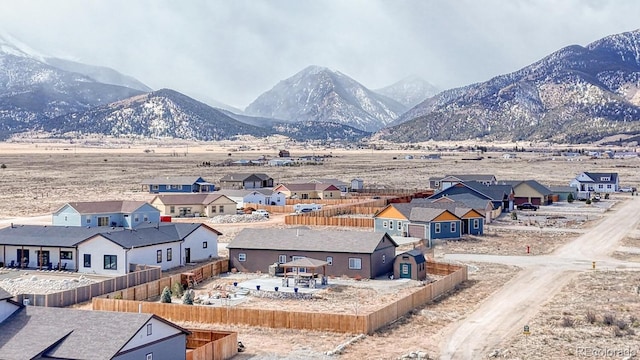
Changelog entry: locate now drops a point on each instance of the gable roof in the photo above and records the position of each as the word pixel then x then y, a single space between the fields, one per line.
pixel 493 192
pixel 596 177
pixel 69 333
pixel 416 254
pixel 310 187
pixel 101 207
pixel 303 239
pixel 174 180
pixel 471 177
pixel 245 177
pixel 70 236
pixel 190 199
pixel 427 214
pixel 465 200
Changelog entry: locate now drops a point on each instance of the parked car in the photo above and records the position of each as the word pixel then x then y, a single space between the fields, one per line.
pixel 262 212
pixel 627 189
pixel 527 206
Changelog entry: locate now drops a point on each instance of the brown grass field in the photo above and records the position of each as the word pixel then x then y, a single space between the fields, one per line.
pixel 39 177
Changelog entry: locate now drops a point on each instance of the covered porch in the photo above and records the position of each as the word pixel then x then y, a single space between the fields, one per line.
pixel 306 272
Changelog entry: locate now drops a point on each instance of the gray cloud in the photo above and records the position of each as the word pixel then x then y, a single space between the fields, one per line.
pixel 234 50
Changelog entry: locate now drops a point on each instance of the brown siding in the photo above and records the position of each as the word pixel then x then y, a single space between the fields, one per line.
pixel 259 260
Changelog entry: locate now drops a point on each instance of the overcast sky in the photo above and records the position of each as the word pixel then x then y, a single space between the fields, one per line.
pixel 234 50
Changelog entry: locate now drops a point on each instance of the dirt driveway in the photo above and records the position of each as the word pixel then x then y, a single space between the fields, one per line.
pixel 505 313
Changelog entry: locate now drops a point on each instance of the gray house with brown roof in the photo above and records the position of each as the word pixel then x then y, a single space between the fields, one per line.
pixel 34 332
pixel 348 253
pixel 116 213
pixel 194 205
pixel 246 181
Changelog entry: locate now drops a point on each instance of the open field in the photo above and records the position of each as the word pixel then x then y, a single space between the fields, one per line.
pixel 38 178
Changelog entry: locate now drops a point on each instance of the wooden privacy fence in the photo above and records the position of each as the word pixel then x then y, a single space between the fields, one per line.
pixel 343 323
pixel 328 221
pixel 154 288
pixel 211 345
pixel 85 293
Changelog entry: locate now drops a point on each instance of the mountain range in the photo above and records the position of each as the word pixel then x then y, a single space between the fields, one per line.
pixel 576 94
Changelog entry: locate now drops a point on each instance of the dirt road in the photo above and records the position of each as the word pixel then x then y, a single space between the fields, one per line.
pixel 505 313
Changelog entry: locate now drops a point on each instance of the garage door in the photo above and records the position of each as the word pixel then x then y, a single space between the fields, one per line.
pixel 417 231
pixel 520 200
pixel 536 201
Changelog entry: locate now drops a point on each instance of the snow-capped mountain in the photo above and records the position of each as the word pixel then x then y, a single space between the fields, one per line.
pixel 321 95
pixel 575 94
pixel 409 91
pixel 32 91
pixel 101 74
pixel 159 114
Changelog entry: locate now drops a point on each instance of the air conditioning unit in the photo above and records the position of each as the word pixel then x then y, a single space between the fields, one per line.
pixel 26 302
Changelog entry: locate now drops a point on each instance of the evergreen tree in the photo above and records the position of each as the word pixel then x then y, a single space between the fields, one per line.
pixel 166 295
pixel 188 297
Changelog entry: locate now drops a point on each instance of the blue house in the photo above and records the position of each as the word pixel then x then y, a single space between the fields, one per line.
pixel 393 219
pixel 431 224
pixel 117 213
pixel 177 184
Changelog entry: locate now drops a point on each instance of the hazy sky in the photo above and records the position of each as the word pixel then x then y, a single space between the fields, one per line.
pixel 234 50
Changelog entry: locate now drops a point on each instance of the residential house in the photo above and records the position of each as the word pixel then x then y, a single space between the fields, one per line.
pixel 108 251
pixel 588 182
pixel 354 254
pixel 118 213
pixel 432 224
pixel 246 181
pixel 450 180
pixel 393 219
pixel 529 191
pixel 177 184
pixel 36 332
pixel 501 196
pixel 343 186
pixel 410 265
pixel 194 205
pixel 357 184
pixel 309 191
pixel 281 162
pixel 257 196
pixel 284 153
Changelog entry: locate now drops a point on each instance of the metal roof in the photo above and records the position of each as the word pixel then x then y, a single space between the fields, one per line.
pixel 303 239
pixel 101 207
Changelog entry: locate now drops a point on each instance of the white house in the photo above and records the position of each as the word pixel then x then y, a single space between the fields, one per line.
pixel 596 182
pixel 110 251
pixel 256 196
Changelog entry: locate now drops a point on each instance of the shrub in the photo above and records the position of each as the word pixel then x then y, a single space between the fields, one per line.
pixel 514 215
pixel 609 319
pixel 188 297
pixel 570 198
pixel 3 166
pixel 568 322
pixel 177 289
pixel 617 332
pixel 621 324
pixel 591 317
pixel 165 297
pixel 588 201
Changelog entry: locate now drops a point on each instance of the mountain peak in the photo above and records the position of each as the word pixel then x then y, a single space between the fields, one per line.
pixel 409 91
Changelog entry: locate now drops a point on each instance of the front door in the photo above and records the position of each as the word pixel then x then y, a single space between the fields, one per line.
pixel 187 255
pixel 23 257
pixel 405 271
pixel 42 257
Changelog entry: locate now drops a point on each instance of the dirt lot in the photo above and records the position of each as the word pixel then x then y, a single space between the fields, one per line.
pixel 38 178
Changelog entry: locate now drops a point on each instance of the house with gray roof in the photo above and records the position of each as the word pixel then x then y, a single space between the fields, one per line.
pixel 441 183
pixel 114 213
pixel 263 196
pixel 177 184
pixel 108 251
pixel 347 253
pixel 246 181
pixel 410 265
pixel 588 182
pixel 529 191
pixel 501 196
pixel 34 332
pixel 194 205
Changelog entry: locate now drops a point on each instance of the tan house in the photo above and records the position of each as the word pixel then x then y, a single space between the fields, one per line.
pixel 530 191
pixel 410 265
pixel 309 191
pixel 194 205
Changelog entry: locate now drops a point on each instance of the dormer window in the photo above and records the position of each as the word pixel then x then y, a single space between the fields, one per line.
pixel 605 178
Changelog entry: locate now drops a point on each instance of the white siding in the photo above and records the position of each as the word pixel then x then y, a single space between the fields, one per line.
pixel 99 246
pixel 195 242
pixel 149 254
pixel 159 331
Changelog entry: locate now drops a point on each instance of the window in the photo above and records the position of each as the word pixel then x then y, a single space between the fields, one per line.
pixel 384 258
pixel 242 257
pixel 176 187
pixel 172 209
pixel 110 262
pixel 282 259
pixel 399 225
pixel 159 256
pixel 204 244
pixel 169 254
pixel 437 228
pixel 605 178
pixel 145 218
pixel 330 260
pixel 103 221
pixel 87 260
pixel 355 263
pixel 476 223
pixel 88 220
pixel 384 224
pixel 453 227
pixel 155 187
pixel 65 218
pixel 390 224
pixel 608 186
pixel 149 356
pixel 149 329
pixel 66 255
pixel 437 183
pixel 213 209
pixel 600 186
pixel 221 209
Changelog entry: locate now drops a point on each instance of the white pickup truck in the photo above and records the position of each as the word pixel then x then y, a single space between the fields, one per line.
pixel 262 212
